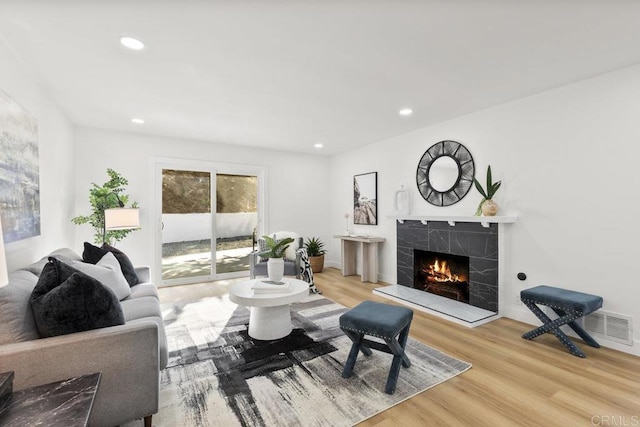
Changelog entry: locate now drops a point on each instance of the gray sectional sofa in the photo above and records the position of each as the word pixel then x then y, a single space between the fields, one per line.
pixel 129 356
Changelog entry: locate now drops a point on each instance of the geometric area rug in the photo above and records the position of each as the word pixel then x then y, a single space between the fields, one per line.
pixel 219 376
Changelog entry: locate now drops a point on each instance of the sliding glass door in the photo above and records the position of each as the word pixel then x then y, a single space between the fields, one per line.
pixel 207 218
pixel 187 225
pixel 236 219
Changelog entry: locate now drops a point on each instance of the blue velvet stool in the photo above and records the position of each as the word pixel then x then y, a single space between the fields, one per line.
pixel 569 306
pixel 388 322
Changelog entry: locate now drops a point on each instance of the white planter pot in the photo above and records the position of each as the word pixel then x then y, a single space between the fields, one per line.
pixel 275 269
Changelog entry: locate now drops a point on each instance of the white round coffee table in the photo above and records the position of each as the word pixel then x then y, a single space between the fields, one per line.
pixel 270 317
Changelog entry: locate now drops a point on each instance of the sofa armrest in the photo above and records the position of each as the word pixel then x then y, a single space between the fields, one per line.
pixel 144 273
pixel 126 355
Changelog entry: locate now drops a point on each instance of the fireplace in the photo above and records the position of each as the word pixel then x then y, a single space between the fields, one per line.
pixel 469 246
pixel 456 258
pixel 442 274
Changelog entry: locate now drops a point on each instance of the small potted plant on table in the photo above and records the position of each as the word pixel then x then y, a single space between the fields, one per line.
pixel 275 252
pixel 315 250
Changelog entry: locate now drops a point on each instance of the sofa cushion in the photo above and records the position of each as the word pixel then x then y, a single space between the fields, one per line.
pixel 16 317
pixel 143 290
pixel 140 307
pixel 66 300
pixel 107 271
pixel 63 254
pixel 92 254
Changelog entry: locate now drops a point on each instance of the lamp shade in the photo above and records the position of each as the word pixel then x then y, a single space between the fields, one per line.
pixel 121 218
pixel 4 274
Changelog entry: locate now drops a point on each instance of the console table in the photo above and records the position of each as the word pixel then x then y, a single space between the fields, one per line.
pixel 369 259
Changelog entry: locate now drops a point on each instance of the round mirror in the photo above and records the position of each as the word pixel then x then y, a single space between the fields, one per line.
pixel 445 173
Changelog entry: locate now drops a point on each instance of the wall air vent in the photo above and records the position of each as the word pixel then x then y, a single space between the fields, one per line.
pixel 611 326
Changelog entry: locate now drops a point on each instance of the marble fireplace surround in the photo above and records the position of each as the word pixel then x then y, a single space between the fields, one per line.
pixel 473 240
pixel 478 238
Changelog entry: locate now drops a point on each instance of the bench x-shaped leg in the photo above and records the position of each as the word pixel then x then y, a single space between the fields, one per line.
pixel 578 329
pixel 393 346
pixel 397 349
pixel 553 326
pixel 356 347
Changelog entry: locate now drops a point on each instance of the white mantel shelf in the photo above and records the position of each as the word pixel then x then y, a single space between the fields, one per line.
pixel 484 220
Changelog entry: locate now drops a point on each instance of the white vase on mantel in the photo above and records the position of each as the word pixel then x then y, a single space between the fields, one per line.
pixel 275 269
pixel 402 201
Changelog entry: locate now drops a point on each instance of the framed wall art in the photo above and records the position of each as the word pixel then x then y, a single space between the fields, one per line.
pixel 365 199
pixel 19 171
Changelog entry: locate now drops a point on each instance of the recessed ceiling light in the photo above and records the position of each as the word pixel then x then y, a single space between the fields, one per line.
pixel 137 121
pixel 405 112
pixel 131 43
pixel 318 145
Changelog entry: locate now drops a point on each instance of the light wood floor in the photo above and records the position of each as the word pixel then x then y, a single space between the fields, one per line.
pixel 513 382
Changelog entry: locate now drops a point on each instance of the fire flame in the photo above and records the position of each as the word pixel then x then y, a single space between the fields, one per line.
pixel 440 272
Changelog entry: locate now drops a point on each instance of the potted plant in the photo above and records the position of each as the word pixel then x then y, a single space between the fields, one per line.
pixel 106 196
pixel 487 206
pixel 315 250
pixel 275 252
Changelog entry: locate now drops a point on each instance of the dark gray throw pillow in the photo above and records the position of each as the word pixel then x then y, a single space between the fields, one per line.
pixel 66 300
pixel 93 254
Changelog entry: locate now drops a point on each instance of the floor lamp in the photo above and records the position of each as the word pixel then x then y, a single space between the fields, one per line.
pixel 121 219
pixel 4 274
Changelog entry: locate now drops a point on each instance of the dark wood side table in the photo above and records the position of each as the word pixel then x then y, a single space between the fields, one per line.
pixel 64 403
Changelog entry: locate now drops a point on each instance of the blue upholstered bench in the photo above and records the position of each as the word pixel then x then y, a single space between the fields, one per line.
pixel 389 322
pixel 568 305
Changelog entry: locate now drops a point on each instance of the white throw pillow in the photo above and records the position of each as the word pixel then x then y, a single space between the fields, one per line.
pixel 290 253
pixel 108 272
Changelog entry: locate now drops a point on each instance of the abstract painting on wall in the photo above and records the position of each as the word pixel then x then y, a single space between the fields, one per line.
pixel 365 199
pixel 19 171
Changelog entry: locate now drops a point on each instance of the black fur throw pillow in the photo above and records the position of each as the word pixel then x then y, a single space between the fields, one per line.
pixel 66 300
pixel 93 254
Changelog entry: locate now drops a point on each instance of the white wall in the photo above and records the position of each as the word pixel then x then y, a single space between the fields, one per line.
pixel 297 191
pixel 568 161
pixel 57 158
pixel 197 226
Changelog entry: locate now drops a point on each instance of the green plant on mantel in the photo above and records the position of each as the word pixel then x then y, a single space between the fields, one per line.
pixel 492 187
pixel 101 197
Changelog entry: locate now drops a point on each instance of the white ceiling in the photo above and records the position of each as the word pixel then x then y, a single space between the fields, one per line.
pixel 288 74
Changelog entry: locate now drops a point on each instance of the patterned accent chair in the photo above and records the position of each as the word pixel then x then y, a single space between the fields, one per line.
pixel 258 265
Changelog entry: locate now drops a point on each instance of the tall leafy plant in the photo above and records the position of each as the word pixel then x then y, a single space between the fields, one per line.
pixel 101 197
pixel 492 187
